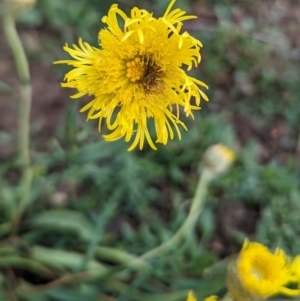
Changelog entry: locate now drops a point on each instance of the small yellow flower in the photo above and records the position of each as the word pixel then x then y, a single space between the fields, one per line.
pixel 138 75
pixel 191 297
pixel 261 273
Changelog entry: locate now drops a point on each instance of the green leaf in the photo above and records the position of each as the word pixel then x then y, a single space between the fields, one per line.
pixel 64 220
pixel 60 259
pixel 28 264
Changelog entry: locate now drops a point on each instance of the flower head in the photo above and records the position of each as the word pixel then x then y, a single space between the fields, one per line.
pixel 259 273
pixel 137 75
pixel 17 7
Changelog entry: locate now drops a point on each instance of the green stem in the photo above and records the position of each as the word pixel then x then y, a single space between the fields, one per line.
pixel 24 106
pixel 189 223
pixel 129 261
pixel 120 257
pixel 22 68
pixel 25 188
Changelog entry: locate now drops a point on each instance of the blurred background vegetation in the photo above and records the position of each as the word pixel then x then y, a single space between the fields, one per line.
pixel 89 192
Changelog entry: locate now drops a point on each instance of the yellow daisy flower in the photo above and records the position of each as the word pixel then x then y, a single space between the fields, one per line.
pixel 138 74
pixel 261 273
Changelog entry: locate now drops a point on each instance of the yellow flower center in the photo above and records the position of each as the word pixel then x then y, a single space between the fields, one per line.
pixel 147 72
pixel 263 270
pixel 136 69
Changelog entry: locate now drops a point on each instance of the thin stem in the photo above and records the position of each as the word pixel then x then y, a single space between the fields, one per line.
pixel 24 198
pixel 120 257
pixel 22 68
pixel 24 106
pixel 189 223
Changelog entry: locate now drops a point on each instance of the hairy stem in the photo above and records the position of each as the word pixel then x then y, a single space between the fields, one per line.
pixel 189 223
pixel 24 104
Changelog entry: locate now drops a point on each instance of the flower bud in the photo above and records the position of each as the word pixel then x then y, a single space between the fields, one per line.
pixel 217 159
pixel 17 7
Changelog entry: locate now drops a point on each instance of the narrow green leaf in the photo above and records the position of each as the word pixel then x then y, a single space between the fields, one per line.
pixel 60 259
pixel 64 220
